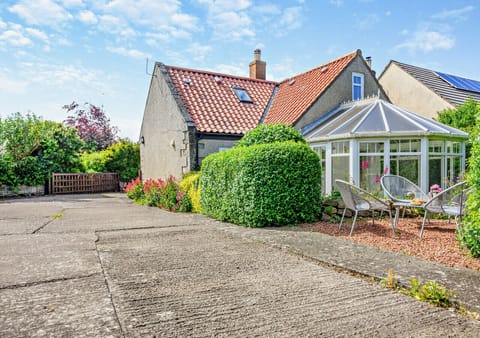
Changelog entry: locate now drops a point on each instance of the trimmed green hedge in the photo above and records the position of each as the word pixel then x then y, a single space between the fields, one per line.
pixel 270 133
pixel 262 185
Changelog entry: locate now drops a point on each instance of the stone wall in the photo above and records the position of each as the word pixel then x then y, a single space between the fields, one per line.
pixel 22 190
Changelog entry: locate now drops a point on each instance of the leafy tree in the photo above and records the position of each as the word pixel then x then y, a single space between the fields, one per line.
pixel 463 117
pixel 92 124
pixel 20 135
pixel 469 233
pixel 122 157
pixel 31 149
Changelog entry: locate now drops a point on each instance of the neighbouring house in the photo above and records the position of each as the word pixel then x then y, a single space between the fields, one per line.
pixel 361 140
pixel 425 91
pixel 192 113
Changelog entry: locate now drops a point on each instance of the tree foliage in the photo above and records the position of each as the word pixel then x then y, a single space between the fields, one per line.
pixel 31 149
pixel 122 157
pixel 469 233
pixel 463 118
pixel 92 124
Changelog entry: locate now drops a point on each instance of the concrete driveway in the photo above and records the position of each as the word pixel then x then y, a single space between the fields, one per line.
pixel 99 266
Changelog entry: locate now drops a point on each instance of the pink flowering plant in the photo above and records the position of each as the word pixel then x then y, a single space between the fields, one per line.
pixel 159 193
pixel 435 189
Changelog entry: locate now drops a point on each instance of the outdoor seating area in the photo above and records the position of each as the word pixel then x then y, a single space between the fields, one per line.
pixel 399 194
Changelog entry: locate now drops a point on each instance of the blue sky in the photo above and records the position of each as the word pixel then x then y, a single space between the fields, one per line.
pixel 53 52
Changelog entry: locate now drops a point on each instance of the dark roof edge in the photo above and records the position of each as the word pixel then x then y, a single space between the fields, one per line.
pixel 183 110
pixel 269 104
pixel 223 136
pixel 219 74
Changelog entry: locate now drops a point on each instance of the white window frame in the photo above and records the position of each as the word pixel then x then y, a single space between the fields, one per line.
pixel 361 85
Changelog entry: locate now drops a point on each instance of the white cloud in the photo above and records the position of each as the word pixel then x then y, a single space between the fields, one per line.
pixel 15 38
pixel 232 25
pixel 116 26
pixel 291 18
pixel 238 69
pixel 87 17
pixel 267 9
pixel 2 24
pixel 459 14
pixel 72 3
pixel 151 13
pixel 199 51
pixel 37 34
pixel 427 41
pixel 215 6
pixel 133 53
pixel 40 12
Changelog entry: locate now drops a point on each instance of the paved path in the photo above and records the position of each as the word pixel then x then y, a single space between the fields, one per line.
pixel 97 265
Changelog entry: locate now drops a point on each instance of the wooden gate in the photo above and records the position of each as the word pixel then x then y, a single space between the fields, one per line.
pixel 83 183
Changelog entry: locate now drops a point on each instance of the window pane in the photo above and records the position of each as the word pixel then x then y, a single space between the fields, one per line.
pixel 435 170
pixel 357 92
pixel 406 166
pixel 340 147
pixel 340 168
pixel 371 169
pixel 435 146
pixel 394 145
pixel 415 146
pixel 321 151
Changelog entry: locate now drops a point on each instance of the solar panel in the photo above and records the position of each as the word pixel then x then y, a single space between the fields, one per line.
pixel 460 82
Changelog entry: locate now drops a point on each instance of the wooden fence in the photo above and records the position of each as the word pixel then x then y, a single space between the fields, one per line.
pixel 83 183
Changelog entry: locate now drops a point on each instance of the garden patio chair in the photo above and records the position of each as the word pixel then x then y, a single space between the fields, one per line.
pixel 450 202
pixel 400 189
pixel 357 199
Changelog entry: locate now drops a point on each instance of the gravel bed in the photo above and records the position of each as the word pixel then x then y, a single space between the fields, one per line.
pixel 439 242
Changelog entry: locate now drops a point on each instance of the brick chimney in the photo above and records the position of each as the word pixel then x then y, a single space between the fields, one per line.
pixel 258 68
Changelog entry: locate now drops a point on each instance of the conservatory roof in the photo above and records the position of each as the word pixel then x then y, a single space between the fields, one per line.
pixel 374 117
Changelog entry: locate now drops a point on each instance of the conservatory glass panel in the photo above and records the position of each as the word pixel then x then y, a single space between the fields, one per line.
pixel 322 153
pixel 436 146
pixel 407 166
pixel 340 168
pixel 454 170
pixel 371 169
pixel 435 169
pixel 342 147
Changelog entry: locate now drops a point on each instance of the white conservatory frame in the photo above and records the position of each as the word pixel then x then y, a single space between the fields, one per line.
pixel 436 141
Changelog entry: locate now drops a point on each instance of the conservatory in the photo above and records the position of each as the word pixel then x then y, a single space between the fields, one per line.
pixel 362 140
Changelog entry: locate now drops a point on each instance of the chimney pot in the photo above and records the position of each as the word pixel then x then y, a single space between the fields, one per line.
pixel 258 68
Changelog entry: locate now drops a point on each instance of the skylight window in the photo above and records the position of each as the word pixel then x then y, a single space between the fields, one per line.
pixel 242 94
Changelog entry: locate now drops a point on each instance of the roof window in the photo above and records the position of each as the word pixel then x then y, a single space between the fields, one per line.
pixel 242 94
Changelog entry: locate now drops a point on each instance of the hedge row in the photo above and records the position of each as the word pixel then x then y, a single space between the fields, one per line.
pixel 262 184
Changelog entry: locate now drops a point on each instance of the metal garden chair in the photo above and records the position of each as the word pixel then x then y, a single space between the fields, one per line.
pixel 450 202
pixel 400 189
pixel 357 199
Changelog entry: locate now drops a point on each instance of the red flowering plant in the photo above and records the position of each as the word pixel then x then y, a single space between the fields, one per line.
pixel 134 189
pixel 153 191
pixel 159 193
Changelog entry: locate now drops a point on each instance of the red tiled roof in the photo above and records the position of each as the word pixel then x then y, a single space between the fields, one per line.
pixel 296 94
pixel 213 105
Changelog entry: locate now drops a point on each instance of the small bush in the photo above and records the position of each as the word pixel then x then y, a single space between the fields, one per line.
pixel 270 133
pixel 264 184
pixel 190 184
pixel 159 193
pixel 469 237
pixel 134 189
pixel 431 292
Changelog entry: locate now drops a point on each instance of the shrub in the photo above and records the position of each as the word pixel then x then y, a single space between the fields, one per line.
pixel 122 157
pixel 134 189
pixel 7 174
pixel 190 184
pixel 159 193
pixel 469 233
pixel 431 292
pixel 270 133
pixel 264 184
